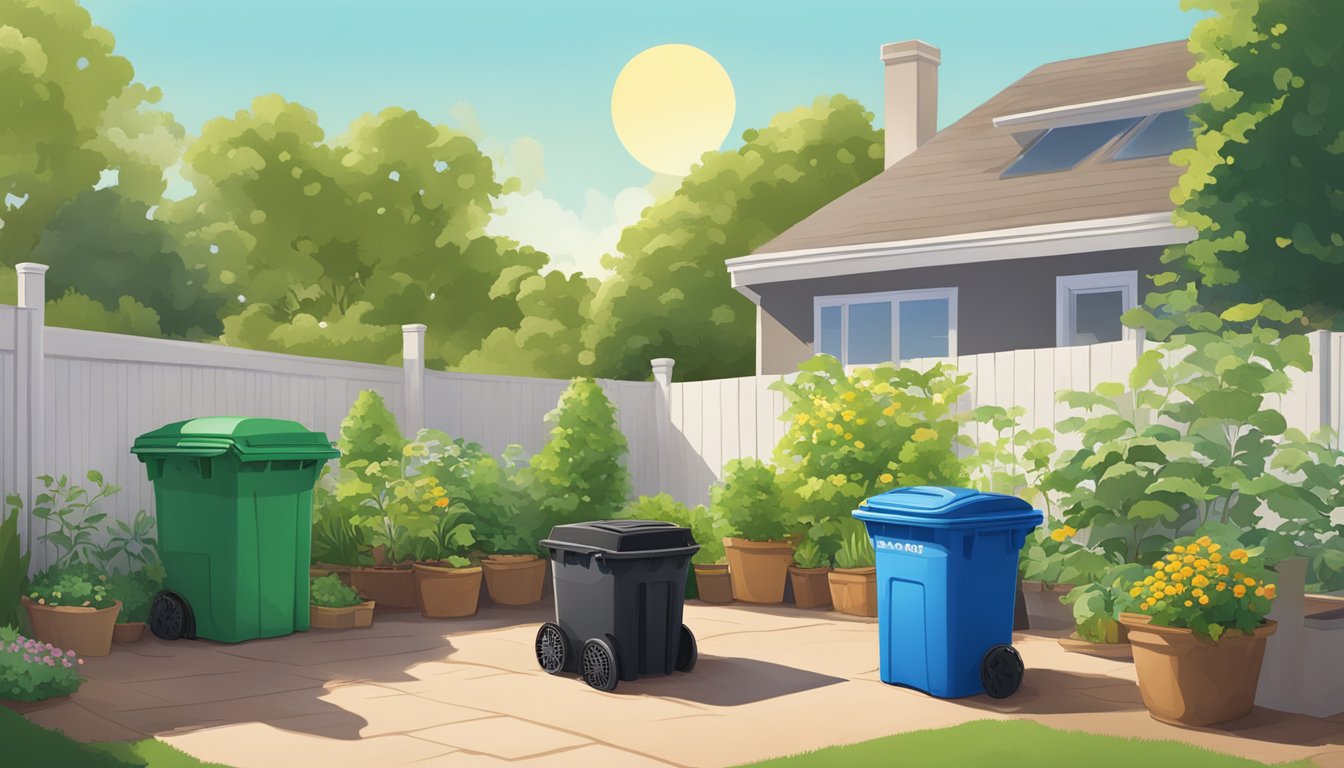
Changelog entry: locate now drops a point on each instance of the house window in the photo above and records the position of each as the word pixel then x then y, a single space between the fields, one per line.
pixel 1060 149
pixel 1159 136
pixel 870 328
pixel 1088 307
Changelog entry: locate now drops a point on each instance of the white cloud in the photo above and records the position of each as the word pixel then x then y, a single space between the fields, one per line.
pixel 574 240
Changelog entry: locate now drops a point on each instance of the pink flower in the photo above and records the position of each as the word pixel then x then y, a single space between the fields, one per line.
pixel 27 659
pixel 51 662
pixel 66 662
pixel 81 661
pixel 71 654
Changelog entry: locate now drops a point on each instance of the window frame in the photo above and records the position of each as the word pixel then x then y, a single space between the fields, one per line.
pixel 1067 286
pixel 1111 154
pixel 892 297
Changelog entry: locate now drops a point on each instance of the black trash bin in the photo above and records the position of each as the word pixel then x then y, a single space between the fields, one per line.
pixel 619 591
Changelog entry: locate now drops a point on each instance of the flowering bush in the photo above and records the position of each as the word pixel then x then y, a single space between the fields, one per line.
pixel 330 592
pixel 32 671
pixel 851 435
pixel 1208 587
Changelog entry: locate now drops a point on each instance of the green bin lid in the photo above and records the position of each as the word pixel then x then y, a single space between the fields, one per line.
pixel 250 439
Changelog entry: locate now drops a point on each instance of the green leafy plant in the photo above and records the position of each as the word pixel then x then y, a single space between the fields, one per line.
pixel 330 592
pixel 1097 605
pixel 31 670
pixel 707 529
pixel 76 585
pixel 136 592
pixel 1015 460
pixel 856 549
pixel 1055 557
pixel 338 538
pixel 580 473
pixel 809 554
pixel 13 564
pixel 1207 585
pixel 134 542
pixel 851 434
pixel 505 520
pixel 72 509
pixel 750 501
pixel 448 538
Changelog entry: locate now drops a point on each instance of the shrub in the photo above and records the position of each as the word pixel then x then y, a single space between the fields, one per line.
pixel 32 671
pixel 850 435
pixel 330 592
pixel 750 501
pixel 505 520
pixel 136 592
pixel 1014 461
pixel 708 529
pixel 77 585
pixel 1054 557
pixel 1097 605
pixel 580 473
pixel 1206 586
pixel 13 564
pixel 71 509
pixel 369 432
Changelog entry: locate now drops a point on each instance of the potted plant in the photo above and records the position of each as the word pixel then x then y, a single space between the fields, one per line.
pixel 1199 629
pixel 447 583
pixel 508 529
pixel 334 605
pixel 749 502
pixel 1051 564
pixel 853 583
pixel 712 580
pixel 32 670
pixel 340 543
pixel 136 592
pixel 70 608
pixel 1096 613
pixel 810 575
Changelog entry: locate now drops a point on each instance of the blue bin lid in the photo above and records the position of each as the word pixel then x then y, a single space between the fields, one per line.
pixel 939 506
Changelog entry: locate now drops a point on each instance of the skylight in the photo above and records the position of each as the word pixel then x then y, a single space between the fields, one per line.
pixel 1164 134
pixel 1060 149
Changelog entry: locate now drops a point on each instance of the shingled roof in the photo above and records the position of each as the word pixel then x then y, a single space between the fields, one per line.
pixel 951 184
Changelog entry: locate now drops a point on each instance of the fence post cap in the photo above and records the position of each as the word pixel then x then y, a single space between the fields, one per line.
pixel 31 268
pixel 414 328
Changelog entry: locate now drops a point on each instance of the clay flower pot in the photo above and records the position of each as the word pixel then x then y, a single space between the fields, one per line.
pixel 388 587
pixel 350 617
pixel 514 579
pixel 811 587
pixel 1043 605
pixel 1193 681
pixel 130 632
pixel 714 583
pixel 758 569
pixel 447 592
pixel 1121 651
pixel 854 590
pixel 86 631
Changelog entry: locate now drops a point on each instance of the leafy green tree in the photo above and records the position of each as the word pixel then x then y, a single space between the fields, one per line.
pixel 1264 184
pixel 670 295
pixel 546 342
pixel 580 473
pixel 369 432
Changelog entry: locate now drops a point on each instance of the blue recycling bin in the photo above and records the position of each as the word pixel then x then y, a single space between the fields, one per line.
pixel 946 582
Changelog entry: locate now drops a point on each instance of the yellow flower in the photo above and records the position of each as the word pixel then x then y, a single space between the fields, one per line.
pixel 1070 531
pixel 1200 581
pixel 1271 591
pixel 1189 603
pixel 1187 572
pixel 860 422
pixel 1203 599
pixel 1203 541
pixel 890 410
pixel 885 478
pixel 1237 554
pixel 1148 580
pixel 1222 570
pixel 439 491
pixel 1259 591
pixel 848 415
pixel 1239 591
pixel 858 444
pixel 849 435
pixel 1188 559
pixel 408 451
pixel 802 418
pixel 1197 592
pixel 848 397
pixel 1178 549
pixel 1222 585
pixel 923 434
pixel 441 503
pixel 1201 564
pixel 1248 581
pixel 1144 605
pixel 1157 565
pixel 1173 558
pixel 1135 592
pixel 1215 547
pixel 1170 590
pixel 1215 557
pixel 1058 534
pixel 837 480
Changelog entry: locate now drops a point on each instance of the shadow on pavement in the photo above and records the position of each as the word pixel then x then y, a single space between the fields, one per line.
pixel 729 681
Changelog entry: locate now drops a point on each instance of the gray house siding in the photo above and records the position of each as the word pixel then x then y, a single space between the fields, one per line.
pixel 1001 305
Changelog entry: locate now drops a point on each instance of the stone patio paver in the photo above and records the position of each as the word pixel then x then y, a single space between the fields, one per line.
pixel 769 682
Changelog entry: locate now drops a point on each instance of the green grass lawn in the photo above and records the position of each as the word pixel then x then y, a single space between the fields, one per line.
pixel 1013 744
pixel 24 743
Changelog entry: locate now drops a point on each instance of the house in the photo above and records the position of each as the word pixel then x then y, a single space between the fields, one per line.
pixel 1033 221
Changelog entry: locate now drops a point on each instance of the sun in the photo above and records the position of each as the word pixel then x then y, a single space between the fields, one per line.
pixel 671 104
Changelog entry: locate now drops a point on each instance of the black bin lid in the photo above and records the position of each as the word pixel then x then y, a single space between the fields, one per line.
pixel 623 537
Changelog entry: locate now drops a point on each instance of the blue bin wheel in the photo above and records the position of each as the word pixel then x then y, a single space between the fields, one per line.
pixel 170 617
pixel 686 651
pixel 552 648
pixel 598 663
pixel 1001 671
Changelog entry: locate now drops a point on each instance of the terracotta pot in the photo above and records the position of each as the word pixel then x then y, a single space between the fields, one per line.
pixel 388 587
pixel 811 587
pixel 447 592
pixel 714 583
pixel 1322 605
pixel 86 631
pixel 758 569
pixel 1044 609
pixel 1193 681
pixel 130 632
pixel 514 579
pixel 1119 651
pixel 854 590
pixel 351 617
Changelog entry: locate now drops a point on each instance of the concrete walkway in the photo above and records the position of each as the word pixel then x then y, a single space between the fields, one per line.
pixel 769 682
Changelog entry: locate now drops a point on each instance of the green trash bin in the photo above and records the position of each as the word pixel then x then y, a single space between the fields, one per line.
pixel 235 506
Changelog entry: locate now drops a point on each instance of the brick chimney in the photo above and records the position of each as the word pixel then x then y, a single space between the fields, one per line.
pixel 910 96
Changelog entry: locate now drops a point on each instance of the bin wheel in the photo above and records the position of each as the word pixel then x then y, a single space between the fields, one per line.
pixel 686 651
pixel 552 648
pixel 599 665
pixel 1001 671
pixel 169 616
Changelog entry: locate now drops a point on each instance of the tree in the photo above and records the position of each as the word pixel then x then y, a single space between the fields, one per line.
pixel 1264 185
pixel 546 343
pixel 580 473
pixel 670 295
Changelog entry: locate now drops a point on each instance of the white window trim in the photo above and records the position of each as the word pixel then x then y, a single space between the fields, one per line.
pixel 895 297
pixel 1068 285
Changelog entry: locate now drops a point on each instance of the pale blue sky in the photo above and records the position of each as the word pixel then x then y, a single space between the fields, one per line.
pixel 544 69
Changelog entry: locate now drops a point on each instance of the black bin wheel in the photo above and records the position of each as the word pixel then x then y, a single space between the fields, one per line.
pixel 599 665
pixel 552 648
pixel 169 616
pixel 1001 671
pixel 686 651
